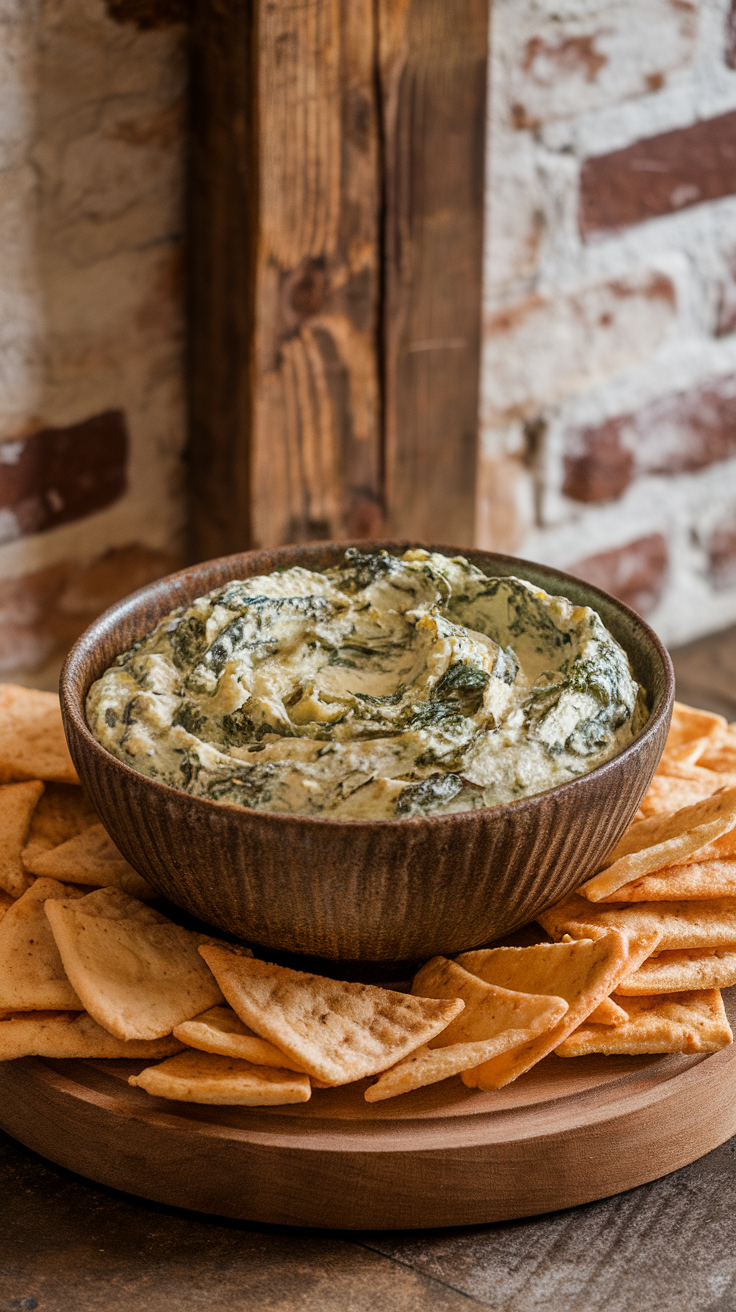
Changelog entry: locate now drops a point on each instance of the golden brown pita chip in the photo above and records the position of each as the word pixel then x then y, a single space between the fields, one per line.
pixel 205 1077
pixel 721 849
pixel 17 803
pixel 667 794
pixel 6 901
pixel 493 1021
pixel 62 1034
pixel 582 972
pixel 694 881
pixel 679 972
pixel 63 811
pixel 90 857
pixel 489 1010
pixel 220 1031
pixel 688 723
pixel 607 1012
pixel 32 977
pixel 137 973
pixel 677 1022
pixel 663 841
pixel 32 742
pixel 719 753
pixel 684 924
pixel 336 1031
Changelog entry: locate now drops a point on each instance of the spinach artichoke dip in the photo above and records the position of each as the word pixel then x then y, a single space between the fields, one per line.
pixel 381 688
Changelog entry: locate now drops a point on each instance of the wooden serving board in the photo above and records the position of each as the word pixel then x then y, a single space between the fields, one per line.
pixel 568 1132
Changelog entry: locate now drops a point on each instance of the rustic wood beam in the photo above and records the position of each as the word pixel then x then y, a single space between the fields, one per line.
pixel 433 58
pixel 335 238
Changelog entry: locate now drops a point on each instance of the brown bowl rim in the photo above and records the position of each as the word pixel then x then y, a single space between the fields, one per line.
pixel 72 702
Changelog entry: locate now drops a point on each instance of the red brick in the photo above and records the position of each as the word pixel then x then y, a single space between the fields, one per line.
pixel 562 64
pixel 90 589
pixel 660 175
pixel 635 573
pixel 42 613
pixel 541 347
pixel 58 475
pixel 676 434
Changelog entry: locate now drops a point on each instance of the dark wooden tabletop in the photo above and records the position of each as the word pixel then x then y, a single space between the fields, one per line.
pixel 69 1246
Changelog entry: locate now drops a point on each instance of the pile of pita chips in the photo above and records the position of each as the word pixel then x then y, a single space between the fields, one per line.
pixel 670 1022
pixel 337 1032
pixel 673 873
pixel 17 804
pixel 136 972
pixel 90 858
pixel 584 972
pixel 493 1021
pixel 41 1011
pixel 32 742
pixel 636 964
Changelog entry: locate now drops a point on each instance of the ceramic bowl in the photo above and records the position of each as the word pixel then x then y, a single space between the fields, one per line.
pixel 361 890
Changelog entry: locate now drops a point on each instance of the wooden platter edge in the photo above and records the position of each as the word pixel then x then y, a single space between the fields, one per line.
pixel 569 1155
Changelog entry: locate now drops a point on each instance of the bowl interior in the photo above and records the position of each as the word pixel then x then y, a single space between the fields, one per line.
pixel 133 618
pixel 365 891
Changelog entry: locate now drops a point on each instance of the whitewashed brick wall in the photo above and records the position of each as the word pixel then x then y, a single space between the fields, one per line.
pixel 608 424
pixel 91 149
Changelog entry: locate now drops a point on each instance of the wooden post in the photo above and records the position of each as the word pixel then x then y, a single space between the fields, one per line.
pixel 433 56
pixel 335 238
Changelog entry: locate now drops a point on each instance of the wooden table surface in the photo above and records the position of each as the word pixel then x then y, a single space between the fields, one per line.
pixel 68 1246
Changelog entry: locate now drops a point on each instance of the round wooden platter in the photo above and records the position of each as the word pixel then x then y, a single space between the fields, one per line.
pixel 567 1132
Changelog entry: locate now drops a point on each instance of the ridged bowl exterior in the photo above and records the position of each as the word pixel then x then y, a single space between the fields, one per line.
pixel 361 890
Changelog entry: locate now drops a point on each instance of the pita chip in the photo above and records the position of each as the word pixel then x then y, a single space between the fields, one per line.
pixel 688 723
pixel 207 1078
pixel 17 804
pixel 63 811
pixel 607 1012
pixel 662 841
pixel 90 857
pixel 690 881
pixel 61 1034
pixel 681 972
pixel 220 1031
pixel 338 1032
pixel 137 973
pixel 583 972
pixel 32 742
pixel 683 924
pixel 32 976
pixel 493 1021
pixel 677 1022
pixel 667 794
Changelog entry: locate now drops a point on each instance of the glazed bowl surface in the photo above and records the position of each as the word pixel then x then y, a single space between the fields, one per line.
pixel 374 891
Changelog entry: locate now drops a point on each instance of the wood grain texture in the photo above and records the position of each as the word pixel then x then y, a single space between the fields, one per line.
pixel 384 891
pixel 223 221
pixel 336 205
pixel 566 1133
pixel 433 62
pixel 316 441
pixel 285 437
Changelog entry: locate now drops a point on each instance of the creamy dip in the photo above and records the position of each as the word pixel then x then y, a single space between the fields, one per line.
pixel 382 688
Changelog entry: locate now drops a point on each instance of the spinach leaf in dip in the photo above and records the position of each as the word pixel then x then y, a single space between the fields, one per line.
pixel 382 688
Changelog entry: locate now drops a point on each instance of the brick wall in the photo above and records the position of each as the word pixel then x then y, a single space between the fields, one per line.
pixel 608 426
pixel 91 416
